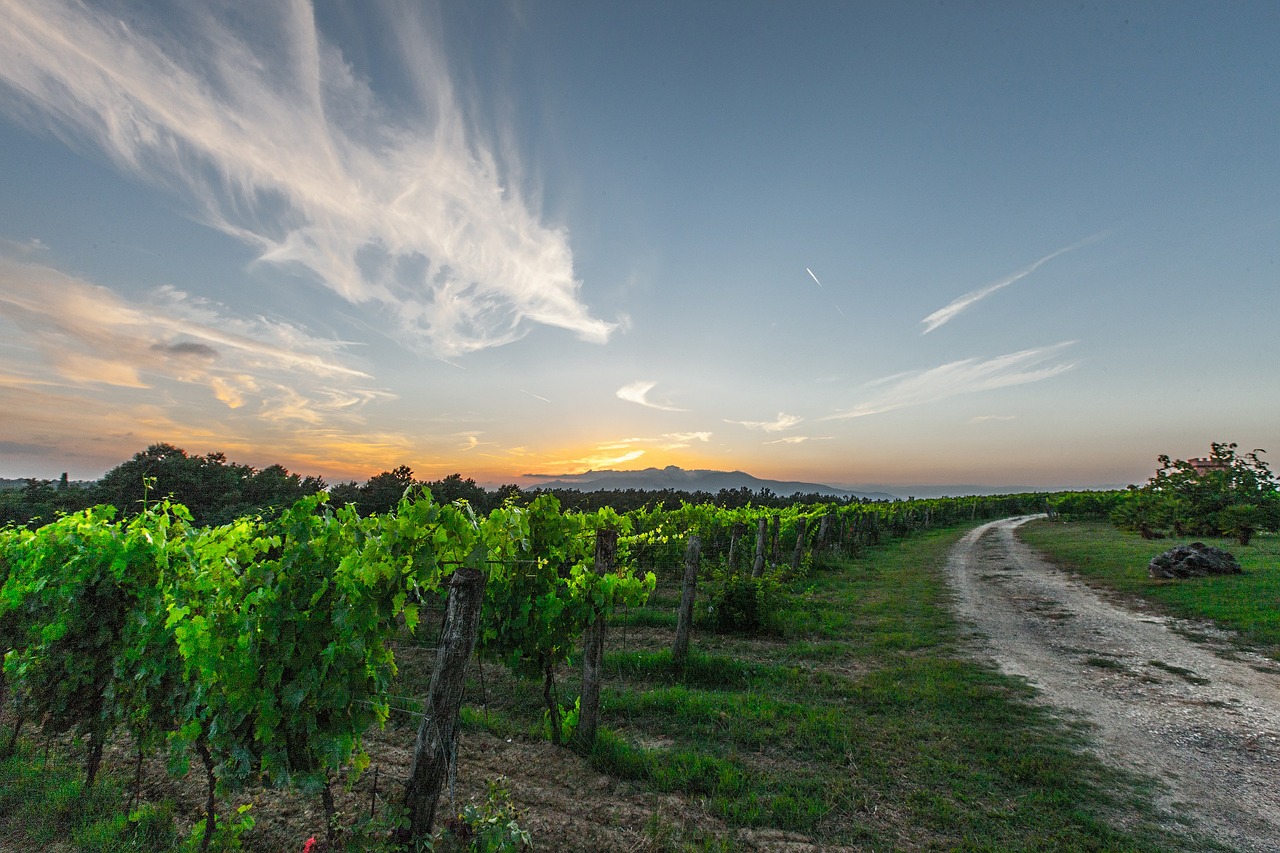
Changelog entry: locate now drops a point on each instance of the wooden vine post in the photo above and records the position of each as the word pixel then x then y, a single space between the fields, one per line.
pixel 824 534
pixel 735 537
pixel 692 556
pixel 798 554
pixel 762 539
pixel 593 649
pixel 435 754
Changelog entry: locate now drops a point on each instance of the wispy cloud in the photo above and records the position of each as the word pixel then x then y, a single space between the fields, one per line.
pixel 265 129
pixel 666 441
pixel 598 461
pixel 977 419
pixel 800 439
pixel 782 422
pixel 71 333
pixel 471 440
pixel 967 376
pixel 951 310
pixel 91 431
pixel 607 454
pixel 638 392
pixel 684 439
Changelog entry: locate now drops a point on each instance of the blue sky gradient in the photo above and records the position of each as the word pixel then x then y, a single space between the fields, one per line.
pixel 863 244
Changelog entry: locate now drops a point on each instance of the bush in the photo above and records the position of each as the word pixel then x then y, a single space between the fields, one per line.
pixel 1227 494
pixel 1079 506
pixel 742 604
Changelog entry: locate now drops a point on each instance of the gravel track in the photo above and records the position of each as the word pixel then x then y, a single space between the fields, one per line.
pixel 1172 699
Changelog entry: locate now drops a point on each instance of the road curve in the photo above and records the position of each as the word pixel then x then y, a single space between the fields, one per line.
pixel 1200 715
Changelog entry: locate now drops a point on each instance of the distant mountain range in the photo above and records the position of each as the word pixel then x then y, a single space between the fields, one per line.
pixel 673 477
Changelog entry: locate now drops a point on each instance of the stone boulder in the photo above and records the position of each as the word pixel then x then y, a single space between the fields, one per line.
pixel 1193 561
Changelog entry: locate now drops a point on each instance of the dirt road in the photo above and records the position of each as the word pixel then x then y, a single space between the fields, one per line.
pixel 1199 714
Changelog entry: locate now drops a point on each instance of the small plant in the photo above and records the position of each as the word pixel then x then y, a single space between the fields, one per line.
pixel 742 604
pixel 568 722
pixel 372 834
pixel 226 832
pixel 489 827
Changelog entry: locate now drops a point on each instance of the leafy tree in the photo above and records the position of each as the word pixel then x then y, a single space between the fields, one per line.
pixel 345 493
pixel 454 488
pixel 1228 494
pixel 215 490
pixel 382 493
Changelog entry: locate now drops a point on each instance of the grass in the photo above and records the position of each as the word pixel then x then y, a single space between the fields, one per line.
pixel 1248 603
pixel 43 805
pixel 862 721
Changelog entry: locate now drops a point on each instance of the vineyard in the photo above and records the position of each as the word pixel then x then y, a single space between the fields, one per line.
pixel 266 650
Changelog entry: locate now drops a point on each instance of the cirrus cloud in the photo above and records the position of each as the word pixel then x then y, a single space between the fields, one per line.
pixel 782 422
pixel 966 376
pixel 266 131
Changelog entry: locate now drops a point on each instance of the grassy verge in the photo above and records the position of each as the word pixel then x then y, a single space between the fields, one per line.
pixel 860 722
pixel 1247 603
pixel 43 806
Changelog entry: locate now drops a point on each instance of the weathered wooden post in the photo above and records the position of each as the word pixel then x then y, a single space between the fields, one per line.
pixel 776 550
pixel 593 649
pixel 762 539
pixel 436 751
pixel 735 537
pixel 692 556
pixel 824 533
pixel 798 554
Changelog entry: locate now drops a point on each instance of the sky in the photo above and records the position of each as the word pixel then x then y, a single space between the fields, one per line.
pixel 852 243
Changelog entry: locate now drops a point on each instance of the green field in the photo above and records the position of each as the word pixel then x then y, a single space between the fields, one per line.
pixel 1248 603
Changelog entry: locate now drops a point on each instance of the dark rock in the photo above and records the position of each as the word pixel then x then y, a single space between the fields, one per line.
pixel 1193 561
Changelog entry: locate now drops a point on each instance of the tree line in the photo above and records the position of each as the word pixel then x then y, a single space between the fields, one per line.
pixel 217 491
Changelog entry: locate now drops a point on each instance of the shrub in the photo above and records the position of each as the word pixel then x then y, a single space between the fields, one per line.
pixel 1227 494
pixel 742 604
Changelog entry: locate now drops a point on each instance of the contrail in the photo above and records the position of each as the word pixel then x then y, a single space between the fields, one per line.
pixel 535 396
pixel 815 281
pixel 942 315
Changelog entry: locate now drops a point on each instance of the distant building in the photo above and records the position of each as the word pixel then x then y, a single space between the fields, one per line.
pixel 1205 465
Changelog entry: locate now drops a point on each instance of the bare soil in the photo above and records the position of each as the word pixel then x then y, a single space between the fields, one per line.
pixel 1175 700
